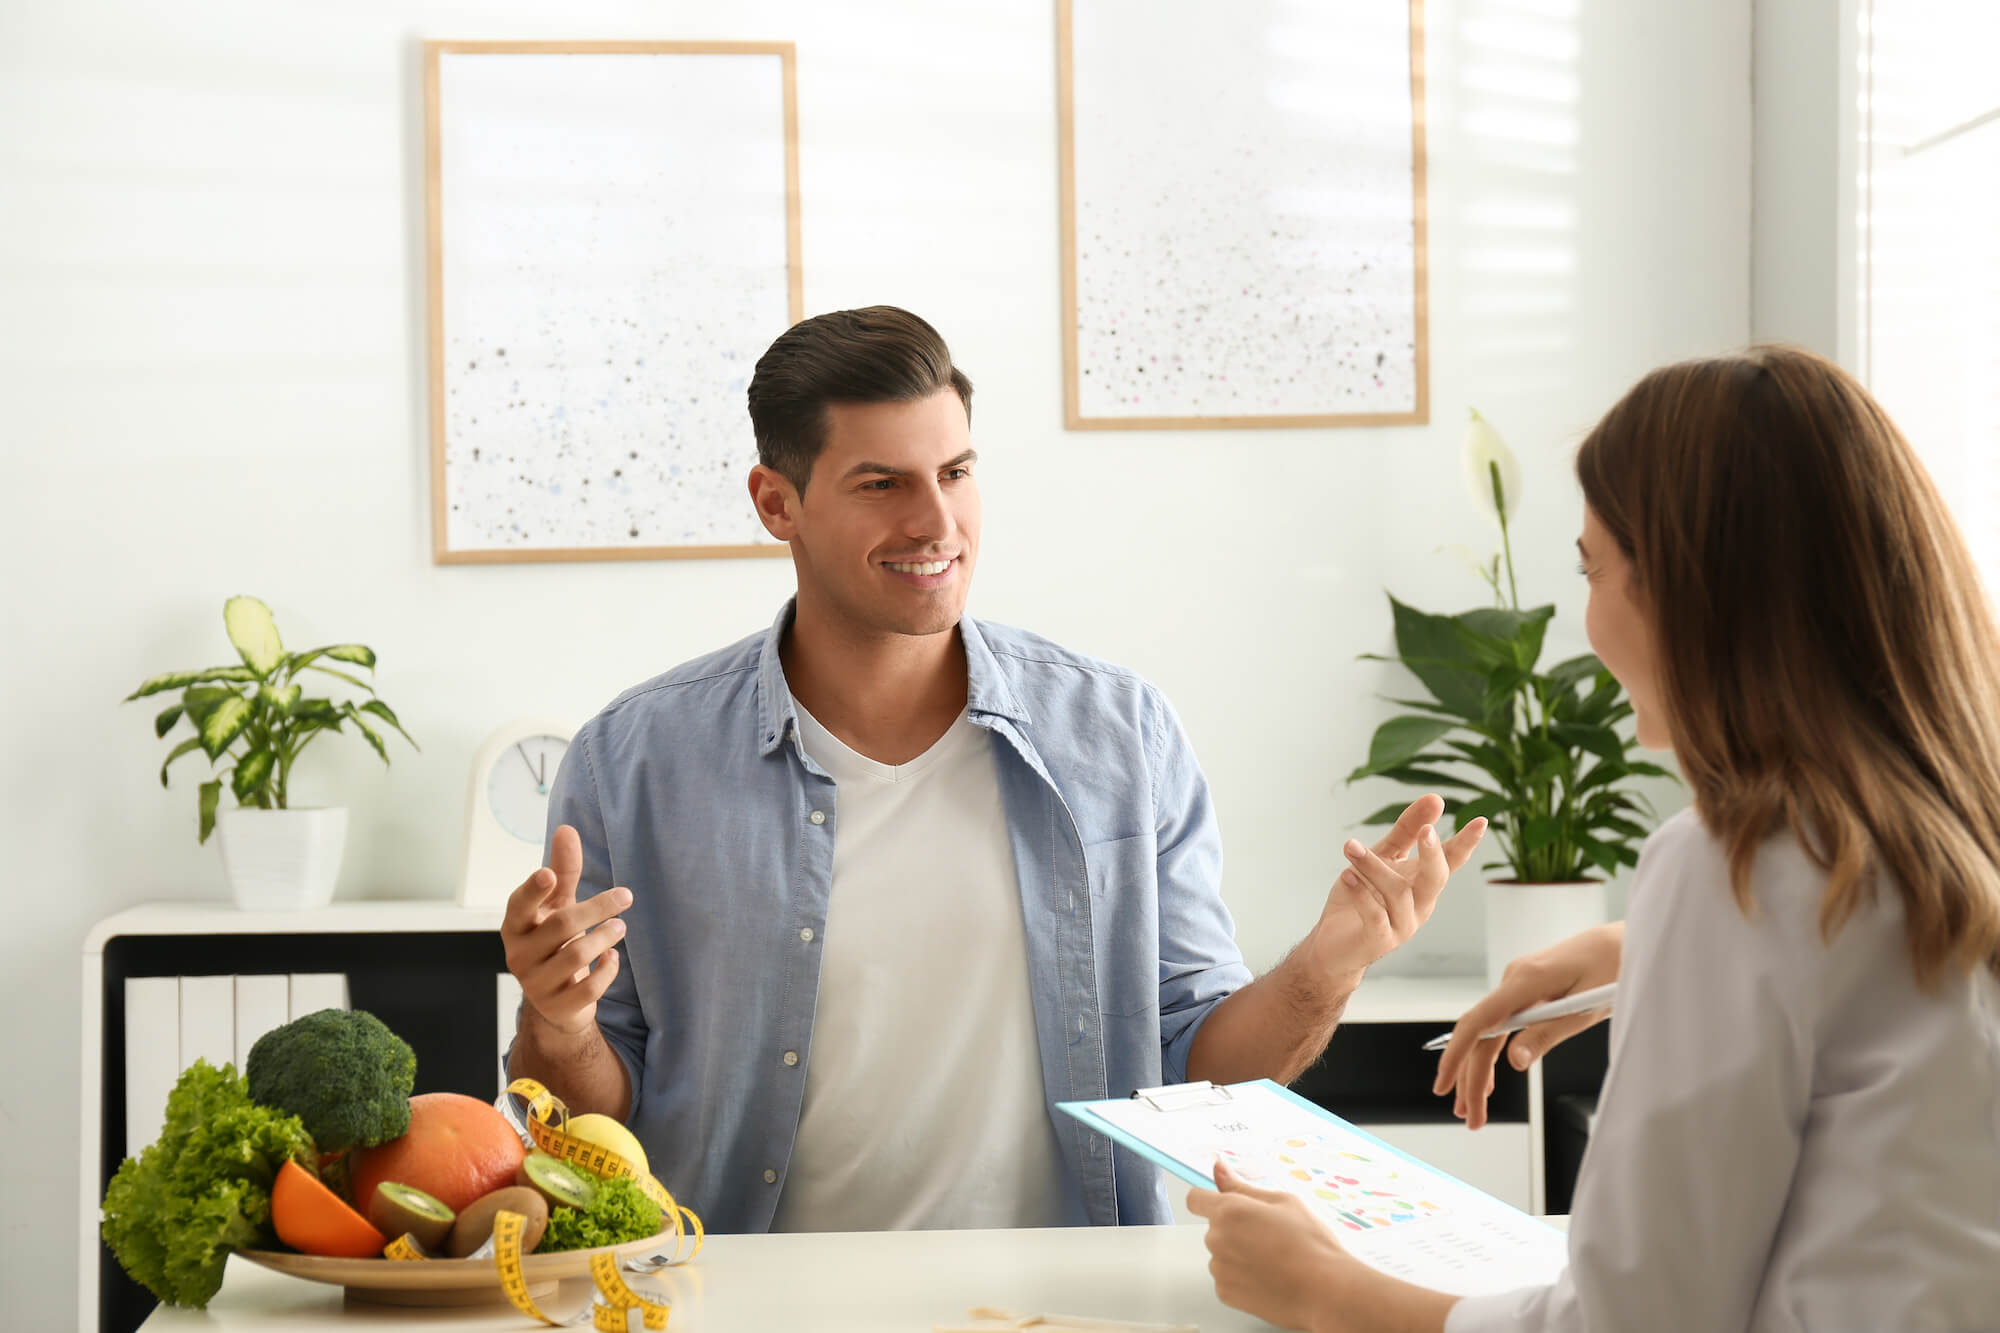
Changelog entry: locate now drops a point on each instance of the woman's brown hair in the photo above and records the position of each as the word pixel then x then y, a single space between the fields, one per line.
pixel 1827 659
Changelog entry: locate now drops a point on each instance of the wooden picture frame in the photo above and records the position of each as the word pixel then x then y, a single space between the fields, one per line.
pixel 586 206
pixel 1139 103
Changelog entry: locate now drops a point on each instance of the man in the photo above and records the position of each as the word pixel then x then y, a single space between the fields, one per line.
pixel 900 880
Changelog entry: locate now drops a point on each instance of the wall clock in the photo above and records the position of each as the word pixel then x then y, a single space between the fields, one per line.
pixel 507 808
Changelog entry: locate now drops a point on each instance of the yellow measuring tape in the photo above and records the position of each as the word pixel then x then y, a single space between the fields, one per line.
pixel 616 1299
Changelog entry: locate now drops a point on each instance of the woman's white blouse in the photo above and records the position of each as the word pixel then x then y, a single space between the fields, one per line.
pixel 1792 1136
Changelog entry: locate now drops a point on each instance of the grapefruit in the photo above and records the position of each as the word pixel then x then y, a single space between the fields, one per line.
pixel 456 1149
pixel 312 1219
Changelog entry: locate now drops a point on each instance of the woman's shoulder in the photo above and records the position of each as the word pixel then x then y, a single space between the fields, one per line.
pixel 1687 862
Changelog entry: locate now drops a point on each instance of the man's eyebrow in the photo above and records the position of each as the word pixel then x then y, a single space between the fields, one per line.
pixel 866 468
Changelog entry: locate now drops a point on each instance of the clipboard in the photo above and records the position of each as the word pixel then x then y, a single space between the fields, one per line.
pixel 1389 1209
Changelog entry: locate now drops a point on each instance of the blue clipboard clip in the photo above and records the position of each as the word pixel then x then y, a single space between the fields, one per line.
pixel 1179 1096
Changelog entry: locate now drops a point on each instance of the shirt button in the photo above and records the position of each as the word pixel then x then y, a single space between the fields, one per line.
pixel 817 816
pixel 791 1057
pixel 770 1177
pixel 807 934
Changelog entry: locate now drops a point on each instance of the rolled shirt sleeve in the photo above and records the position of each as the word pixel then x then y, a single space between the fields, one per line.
pixel 1199 960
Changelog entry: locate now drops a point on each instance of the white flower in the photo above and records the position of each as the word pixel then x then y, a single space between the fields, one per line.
pixel 1483 449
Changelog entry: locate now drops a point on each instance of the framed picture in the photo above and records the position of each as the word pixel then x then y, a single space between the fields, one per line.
pixel 1242 214
pixel 614 241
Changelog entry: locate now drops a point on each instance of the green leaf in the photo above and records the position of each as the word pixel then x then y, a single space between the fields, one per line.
pixel 281 699
pixel 201 700
pixel 1600 773
pixel 351 680
pixel 173 680
pixel 254 633
pixel 1498 762
pixel 1521 631
pixel 1400 740
pixel 211 792
pixel 1603 698
pixel 1540 832
pixel 1435 652
pixel 1604 857
pixel 1600 741
pixel 1431 705
pixel 382 710
pixel 1645 769
pixel 1574 671
pixel 164 723
pixel 1426 777
pixel 1388 814
pixel 359 654
pixel 315 710
pixel 1502 684
pixel 1488 806
pixel 1546 761
pixel 354 715
pixel 224 725
pixel 1486 650
pixel 252 774
pixel 191 743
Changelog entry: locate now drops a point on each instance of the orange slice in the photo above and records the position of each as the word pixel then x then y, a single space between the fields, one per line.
pixel 312 1219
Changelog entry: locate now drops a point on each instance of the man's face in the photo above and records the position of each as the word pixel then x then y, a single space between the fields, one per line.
pixel 888 531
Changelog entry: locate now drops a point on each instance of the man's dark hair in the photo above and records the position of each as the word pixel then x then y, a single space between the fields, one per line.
pixel 875 355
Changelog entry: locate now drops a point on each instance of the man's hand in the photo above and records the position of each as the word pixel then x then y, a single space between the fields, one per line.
pixel 563 965
pixel 1389 890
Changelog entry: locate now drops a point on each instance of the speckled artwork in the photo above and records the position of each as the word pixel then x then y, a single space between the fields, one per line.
pixel 1244 213
pixel 614 250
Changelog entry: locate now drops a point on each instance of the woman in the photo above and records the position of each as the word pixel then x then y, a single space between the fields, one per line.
pixel 1800 1129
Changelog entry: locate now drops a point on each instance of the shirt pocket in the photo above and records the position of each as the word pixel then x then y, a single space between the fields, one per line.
pixel 1124 923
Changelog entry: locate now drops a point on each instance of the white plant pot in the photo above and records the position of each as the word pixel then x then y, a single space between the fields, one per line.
pixel 1523 918
pixel 282 860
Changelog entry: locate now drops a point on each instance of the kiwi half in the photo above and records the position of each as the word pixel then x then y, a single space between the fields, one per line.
pixel 561 1184
pixel 399 1210
pixel 475 1224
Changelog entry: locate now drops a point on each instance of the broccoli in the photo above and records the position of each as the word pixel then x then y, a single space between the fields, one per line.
pixel 341 1072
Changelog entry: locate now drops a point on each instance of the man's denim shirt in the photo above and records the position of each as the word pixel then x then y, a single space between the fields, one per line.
pixel 692 791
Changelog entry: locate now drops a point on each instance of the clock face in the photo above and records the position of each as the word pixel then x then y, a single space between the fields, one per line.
pixel 517 790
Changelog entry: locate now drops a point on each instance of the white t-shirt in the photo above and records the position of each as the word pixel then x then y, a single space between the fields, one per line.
pixel 924 1104
pixel 1793 1137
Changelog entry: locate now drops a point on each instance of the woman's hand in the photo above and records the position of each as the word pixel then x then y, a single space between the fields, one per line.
pixel 1587 958
pixel 1271 1256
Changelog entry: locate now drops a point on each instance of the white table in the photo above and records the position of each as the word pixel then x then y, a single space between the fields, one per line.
pixel 880 1282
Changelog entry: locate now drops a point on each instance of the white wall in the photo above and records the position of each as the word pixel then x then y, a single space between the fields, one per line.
pixel 213 375
pixel 1805 247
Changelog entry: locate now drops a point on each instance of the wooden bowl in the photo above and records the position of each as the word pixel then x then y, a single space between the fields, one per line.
pixel 446 1281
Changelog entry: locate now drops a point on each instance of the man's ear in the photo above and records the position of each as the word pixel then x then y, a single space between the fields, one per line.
pixel 777 504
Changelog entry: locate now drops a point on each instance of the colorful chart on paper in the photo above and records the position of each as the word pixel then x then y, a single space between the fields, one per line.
pixel 1388 1209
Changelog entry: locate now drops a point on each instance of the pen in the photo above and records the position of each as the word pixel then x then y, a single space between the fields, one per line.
pixel 1598 997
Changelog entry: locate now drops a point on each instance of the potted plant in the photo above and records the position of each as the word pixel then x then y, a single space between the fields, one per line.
pixel 252 721
pixel 1540 753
